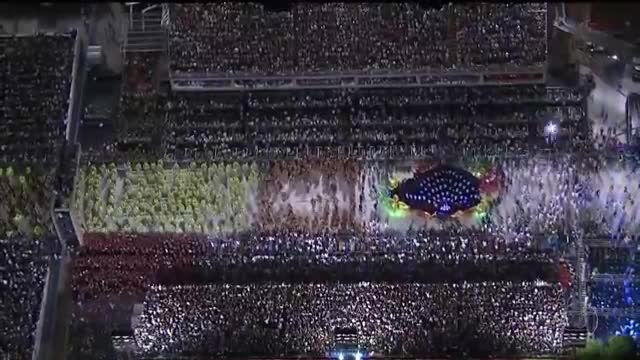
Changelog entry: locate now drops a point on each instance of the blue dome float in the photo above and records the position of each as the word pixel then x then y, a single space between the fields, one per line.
pixel 442 191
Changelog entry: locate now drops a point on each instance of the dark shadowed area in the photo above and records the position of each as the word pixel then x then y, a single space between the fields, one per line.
pixel 622 17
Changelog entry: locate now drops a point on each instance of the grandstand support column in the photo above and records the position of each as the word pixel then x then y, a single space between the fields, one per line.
pixel 582 276
pixel 244 109
pixel 587 127
pixel 296 45
pixel 546 34
pixel 162 135
pixel 79 185
pixel 571 222
pixel 166 25
pixel 452 30
pixel 47 341
pixel 107 29
pixel 346 121
pixel 46 299
pixel 627 119
pixel 632 112
pixel 78 77
pixel 62 313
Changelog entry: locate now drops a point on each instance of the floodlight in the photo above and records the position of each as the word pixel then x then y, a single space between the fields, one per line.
pixel 551 129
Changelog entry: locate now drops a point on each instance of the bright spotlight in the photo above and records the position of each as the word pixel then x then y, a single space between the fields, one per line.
pixel 341 356
pixel 614 57
pixel 358 356
pixel 551 129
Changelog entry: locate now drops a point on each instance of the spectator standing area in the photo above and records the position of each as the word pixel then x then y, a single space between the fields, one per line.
pixel 332 38
pixel 35 74
pixel 227 45
pixel 214 227
pixel 260 222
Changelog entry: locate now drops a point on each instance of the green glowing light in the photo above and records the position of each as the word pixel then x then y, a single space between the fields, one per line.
pixel 479 214
pixel 393 208
pixel 390 207
pixel 395 213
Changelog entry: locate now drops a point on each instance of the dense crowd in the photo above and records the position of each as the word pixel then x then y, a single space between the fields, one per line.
pixel 540 197
pixel 592 191
pixel 609 325
pixel 115 269
pixel 408 318
pixel 609 294
pixel 614 260
pixel 328 38
pixel 140 74
pixel 371 123
pixel 613 192
pixel 204 124
pixel 140 110
pixel 268 257
pixel 22 274
pixel 331 185
pixel 26 202
pixel 126 264
pixel 289 124
pixel 154 197
pixel 25 211
pixel 613 287
pixel 536 195
pixel 35 81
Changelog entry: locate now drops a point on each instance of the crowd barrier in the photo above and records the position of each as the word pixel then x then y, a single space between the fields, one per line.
pixel 77 86
pixel 204 82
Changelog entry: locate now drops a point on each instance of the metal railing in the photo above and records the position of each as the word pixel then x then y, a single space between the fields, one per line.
pixel 632 112
pixel 546 42
pixel 124 26
pixel 43 316
pixel 582 278
pixel 397 152
pixel 76 205
pixel 377 357
pixel 46 319
pixel 131 5
pixel 614 278
pixel 149 29
pixel 616 312
pixel 144 14
pixel 166 16
pixel 73 89
pixel 397 80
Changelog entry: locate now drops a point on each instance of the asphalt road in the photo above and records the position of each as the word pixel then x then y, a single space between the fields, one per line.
pixel 613 85
pixel 579 11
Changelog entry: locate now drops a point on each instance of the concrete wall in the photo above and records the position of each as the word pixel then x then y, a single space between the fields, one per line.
pixel 578 11
pixel 612 16
pixel 109 24
pixel 27 26
pixel 29 20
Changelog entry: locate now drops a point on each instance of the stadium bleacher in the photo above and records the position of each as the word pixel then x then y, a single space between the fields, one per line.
pixel 35 84
pixel 260 222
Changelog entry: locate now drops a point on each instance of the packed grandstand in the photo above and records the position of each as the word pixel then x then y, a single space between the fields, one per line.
pixel 430 221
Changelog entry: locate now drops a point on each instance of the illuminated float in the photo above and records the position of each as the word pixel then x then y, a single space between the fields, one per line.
pixel 443 191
